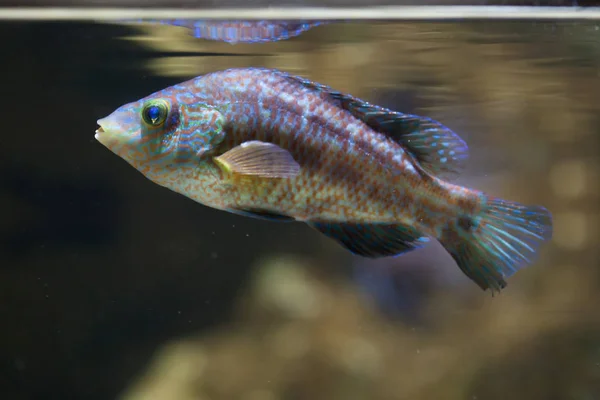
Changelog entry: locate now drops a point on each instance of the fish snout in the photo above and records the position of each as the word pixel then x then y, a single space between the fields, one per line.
pixel 102 130
pixel 108 133
pixel 120 138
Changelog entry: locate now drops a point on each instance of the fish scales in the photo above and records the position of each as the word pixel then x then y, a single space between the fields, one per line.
pixel 320 135
pixel 262 109
pixel 347 162
pixel 267 144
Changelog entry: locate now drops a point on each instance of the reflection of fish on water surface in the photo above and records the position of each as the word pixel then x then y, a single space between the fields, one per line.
pixel 267 144
pixel 240 31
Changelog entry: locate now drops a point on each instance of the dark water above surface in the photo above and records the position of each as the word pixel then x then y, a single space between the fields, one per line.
pixel 113 287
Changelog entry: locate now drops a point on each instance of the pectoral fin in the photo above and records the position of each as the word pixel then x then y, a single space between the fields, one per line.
pixel 259 159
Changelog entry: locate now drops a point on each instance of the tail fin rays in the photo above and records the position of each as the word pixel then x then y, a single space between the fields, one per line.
pixel 503 238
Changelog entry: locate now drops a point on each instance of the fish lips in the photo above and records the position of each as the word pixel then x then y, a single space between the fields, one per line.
pixel 108 137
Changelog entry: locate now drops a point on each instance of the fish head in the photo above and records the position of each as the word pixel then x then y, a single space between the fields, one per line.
pixel 158 130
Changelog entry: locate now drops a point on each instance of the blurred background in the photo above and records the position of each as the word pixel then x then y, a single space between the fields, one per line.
pixel 113 287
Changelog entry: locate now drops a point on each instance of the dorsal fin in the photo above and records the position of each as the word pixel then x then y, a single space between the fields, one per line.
pixel 436 148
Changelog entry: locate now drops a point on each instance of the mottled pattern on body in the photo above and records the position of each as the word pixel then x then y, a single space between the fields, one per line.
pixel 350 172
pixel 374 179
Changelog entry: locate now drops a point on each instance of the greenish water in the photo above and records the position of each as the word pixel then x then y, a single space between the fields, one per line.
pixel 113 287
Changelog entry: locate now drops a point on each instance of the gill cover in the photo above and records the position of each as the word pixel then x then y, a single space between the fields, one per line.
pixel 183 133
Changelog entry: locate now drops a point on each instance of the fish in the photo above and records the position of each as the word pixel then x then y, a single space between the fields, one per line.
pixel 239 31
pixel 267 144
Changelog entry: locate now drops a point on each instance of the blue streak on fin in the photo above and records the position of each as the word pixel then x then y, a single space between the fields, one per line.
pixel 262 214
pixel 437 149
pixel 501 239
pixel 373 240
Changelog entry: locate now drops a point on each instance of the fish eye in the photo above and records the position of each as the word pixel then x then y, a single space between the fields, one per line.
pixel 155 112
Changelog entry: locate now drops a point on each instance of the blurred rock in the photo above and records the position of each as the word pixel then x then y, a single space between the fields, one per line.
pixel 343 349
pixel 561 364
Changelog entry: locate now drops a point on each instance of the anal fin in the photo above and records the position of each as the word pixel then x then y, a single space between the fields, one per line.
pixel 262 214
pixel 373 240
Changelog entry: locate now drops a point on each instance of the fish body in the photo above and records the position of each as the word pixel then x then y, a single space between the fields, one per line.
pixel 268 144
pixel 234 32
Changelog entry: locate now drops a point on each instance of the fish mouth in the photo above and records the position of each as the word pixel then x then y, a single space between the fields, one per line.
pixel 102 135
pixel 111 136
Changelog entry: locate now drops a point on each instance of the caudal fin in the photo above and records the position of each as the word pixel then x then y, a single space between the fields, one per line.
pixel 492 245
